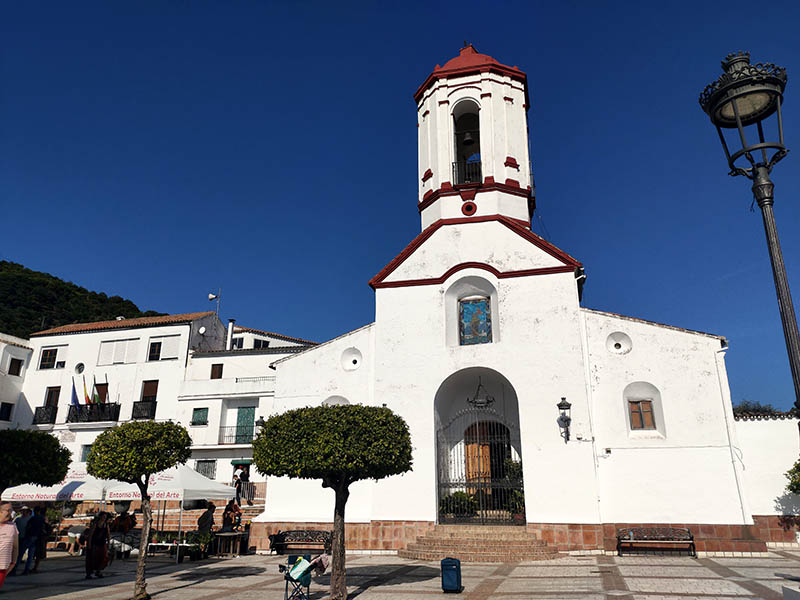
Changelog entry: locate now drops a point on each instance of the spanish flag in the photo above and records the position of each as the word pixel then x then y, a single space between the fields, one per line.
pixel 85 393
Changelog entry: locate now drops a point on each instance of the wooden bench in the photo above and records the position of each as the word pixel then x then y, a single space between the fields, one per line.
pixel 658 537
pixel 300 539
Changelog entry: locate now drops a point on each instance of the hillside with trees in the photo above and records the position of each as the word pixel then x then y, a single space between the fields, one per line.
pixel 31 301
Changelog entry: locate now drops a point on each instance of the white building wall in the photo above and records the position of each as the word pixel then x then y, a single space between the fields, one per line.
pixel 686 470
pixel 769 448
pixel 11 348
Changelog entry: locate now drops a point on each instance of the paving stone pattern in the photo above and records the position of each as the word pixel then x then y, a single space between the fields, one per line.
pixel 387 577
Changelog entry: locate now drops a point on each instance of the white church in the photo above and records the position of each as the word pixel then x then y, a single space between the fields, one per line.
pixel 527 411
pixel 481 344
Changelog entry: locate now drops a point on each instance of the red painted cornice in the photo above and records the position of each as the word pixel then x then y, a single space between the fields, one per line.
pixel 432 196
pixel 518 227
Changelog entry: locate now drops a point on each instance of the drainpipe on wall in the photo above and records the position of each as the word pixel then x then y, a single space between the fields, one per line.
pixel 229 341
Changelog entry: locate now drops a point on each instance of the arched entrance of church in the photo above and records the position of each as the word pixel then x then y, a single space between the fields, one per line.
pixel 478 450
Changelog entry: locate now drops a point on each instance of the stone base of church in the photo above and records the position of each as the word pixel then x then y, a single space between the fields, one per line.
pixel 569 537
pixel 375 535
pixel 565 537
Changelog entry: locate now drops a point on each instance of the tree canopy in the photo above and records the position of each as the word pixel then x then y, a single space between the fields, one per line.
pixel 754 407
pixel 340 445
pixel 31 301
pixel 336 443
pixel 132 451
pixel 30 456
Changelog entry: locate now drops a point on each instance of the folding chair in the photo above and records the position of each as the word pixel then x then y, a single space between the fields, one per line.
pixel 298 576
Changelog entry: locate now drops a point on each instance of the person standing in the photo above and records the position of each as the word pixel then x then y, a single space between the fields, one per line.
pixel 9 541
pixel 97 537
pixel 30 539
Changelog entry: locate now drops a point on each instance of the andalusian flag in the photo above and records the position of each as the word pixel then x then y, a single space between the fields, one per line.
pixel 95 395
pixel 85 393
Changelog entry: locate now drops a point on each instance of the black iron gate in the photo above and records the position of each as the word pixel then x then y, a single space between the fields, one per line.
pixel 479 472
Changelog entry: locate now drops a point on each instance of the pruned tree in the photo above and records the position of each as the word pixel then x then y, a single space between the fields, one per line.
pixel 793 475
pixel 338 445
pixel 132 452
pixel 31 456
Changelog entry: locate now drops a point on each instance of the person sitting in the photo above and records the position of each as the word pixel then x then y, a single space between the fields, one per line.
pixel 206 521
pixel 229 517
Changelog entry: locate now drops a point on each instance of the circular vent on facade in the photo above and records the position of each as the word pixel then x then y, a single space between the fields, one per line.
pixel 619 343
pixel 351 359
pixel 79 368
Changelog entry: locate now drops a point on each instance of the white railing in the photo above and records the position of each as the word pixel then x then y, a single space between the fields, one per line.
pixel 255 379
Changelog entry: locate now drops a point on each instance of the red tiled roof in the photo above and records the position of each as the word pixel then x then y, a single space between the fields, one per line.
pixel 10 343
pixel 125 323
pixel 280 336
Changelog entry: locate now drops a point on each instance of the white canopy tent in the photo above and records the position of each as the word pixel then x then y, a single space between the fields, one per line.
pixel 178 483
pixel 78 486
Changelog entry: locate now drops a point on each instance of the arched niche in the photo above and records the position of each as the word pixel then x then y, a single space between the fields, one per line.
pixel 469 287
pixel 643 392
pixel 466 142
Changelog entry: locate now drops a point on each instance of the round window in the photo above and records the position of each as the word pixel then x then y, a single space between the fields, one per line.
pixel 79 368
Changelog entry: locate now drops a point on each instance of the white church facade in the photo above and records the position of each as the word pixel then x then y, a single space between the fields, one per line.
pixel 480 343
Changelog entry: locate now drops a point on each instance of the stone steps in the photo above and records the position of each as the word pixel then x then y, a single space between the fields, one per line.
pixel 477 543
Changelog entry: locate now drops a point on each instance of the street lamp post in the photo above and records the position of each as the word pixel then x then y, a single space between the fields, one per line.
pixel 742 98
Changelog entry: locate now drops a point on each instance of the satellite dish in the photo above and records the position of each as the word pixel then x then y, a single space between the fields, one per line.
pixel 202 331
pixel 212 297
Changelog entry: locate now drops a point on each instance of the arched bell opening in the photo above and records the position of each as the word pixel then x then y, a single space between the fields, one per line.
pixel 467 140
pixel 478 450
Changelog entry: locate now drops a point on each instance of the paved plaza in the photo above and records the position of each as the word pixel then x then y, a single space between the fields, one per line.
pixel 392 578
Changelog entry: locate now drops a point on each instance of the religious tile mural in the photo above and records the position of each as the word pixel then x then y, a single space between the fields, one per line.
pixel 475 321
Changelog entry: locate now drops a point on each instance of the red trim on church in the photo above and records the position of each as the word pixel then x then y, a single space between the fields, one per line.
pixel 518 227
pixel 511 162
pixel 488 185
pixel 427 175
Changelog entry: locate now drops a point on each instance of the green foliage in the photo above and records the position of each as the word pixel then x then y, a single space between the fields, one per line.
pixel 133 451
pixel 30 456
pixel 31 301
pixel 753 407
pixel 201 538
pixel 513 468
pixel 460 504
pixel 334 443
pixel 793 475
pixel 516 502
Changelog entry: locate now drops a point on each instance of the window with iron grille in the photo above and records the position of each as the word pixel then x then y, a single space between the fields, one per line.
pixel 216 371
pixel 48 359
pixel 154 353
pixel 200 416
pixel 208 468
pixel 15 367
pixel 641 413
pixel 5 411
pixel 149 390
pixel 51 396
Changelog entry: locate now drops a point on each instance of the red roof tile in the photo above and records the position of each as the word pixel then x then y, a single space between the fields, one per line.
pixel 125 323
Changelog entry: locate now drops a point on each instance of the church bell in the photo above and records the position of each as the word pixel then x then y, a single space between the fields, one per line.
pixel 468 141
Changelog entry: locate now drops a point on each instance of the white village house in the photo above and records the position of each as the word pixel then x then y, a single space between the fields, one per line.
pixel 479 334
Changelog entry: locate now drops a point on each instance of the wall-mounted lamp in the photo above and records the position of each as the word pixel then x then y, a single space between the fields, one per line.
pixel 564 419
pixel 261 422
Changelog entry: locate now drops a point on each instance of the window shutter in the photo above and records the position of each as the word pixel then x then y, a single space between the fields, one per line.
pixel 106 353
pixel 169 346
pixel 119 351
pixel 131 352
pixel 150 389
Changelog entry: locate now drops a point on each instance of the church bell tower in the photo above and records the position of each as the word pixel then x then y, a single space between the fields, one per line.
pixel 473 141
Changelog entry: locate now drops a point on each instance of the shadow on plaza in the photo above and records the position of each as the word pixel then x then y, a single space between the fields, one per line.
pixel 366 577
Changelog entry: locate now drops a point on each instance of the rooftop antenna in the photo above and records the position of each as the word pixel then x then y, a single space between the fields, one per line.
pixel 217 296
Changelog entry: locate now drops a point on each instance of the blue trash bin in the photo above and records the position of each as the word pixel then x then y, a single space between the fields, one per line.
pixel 451 575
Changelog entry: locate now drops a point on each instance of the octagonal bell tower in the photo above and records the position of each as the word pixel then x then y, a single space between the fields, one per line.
pixel 473 141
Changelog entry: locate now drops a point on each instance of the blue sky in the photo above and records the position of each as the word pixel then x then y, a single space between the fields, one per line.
pixel 160 150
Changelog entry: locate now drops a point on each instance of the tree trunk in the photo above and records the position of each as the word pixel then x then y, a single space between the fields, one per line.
pixel 140 587
pixel 338 581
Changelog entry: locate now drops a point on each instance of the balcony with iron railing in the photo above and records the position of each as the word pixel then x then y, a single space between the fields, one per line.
pixel 45 415
pixel 467 172
pixel 93 413
pixel 237 434
pixel 144 409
